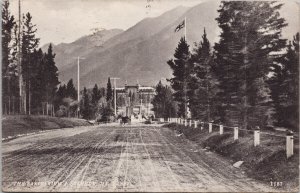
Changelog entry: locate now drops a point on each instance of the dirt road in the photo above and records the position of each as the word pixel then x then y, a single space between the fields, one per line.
pixel 113 158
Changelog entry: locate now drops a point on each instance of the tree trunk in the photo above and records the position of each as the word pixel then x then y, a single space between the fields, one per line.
pixel 47 108
pixel 13 105
pixel 245 104
pixel 29 99
pixel 25 102
pixel 9 104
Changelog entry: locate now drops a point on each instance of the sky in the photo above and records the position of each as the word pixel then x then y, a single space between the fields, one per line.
pixel 66 20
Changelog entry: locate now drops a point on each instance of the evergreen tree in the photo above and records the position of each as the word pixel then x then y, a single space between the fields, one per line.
pixel 251 31
pixel 50 75
pixel 85 105
pixel 96 95
pixel 71 91
pixel 109 92
pixel 38 84
pixel 284 85
pixel 60 95
pixel 163 103
pixel 181 68
pixel 8 68
pixel 29 44
pixel 202 84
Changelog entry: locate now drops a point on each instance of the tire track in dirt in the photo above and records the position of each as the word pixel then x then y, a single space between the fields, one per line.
pixel 85 158
pixel 137 162
pixel 152 169
pixel 175 159
pixel 134 158
pixel 223 177
pixel 16 155
pixel 58 162
pixel 21 159
pixel 117 172
pixel 70 158
pixel 126 163
pixel 182 167
pixel 85 169
pixel 162 159
pixel 215 179
pixel 48 166
pixel 136 171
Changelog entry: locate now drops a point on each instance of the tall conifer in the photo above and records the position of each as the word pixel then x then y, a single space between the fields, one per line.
pixel 250 38
pixel 181 67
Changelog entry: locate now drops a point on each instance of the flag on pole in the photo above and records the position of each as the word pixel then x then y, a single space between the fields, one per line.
pixel 180 26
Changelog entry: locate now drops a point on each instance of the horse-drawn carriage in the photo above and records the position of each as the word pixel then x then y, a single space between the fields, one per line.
pixel 124 119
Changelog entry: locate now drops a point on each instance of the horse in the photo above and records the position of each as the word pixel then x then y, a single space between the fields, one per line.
pixel 124 119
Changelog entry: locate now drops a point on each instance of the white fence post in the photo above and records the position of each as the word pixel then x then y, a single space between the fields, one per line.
pixel 221 129
pixel 210 128
pixel 236 133
pixel 190 123
pixel 201 125
pixel 195 124
pixel 256 138
pixel 185 122
pixel 289 145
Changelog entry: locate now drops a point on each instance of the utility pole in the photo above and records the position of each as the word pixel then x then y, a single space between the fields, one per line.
pixel 19 64
pixel 115 94
pixel 78 84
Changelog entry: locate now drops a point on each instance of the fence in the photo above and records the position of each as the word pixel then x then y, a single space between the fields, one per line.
pixel 289 145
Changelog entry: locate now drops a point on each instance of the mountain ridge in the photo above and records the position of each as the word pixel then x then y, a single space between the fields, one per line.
pixel 140 53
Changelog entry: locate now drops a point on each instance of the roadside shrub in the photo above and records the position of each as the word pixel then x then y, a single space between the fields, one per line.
pixel 62 112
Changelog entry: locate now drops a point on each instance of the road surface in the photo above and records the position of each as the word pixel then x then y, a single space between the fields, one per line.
pixel 114 158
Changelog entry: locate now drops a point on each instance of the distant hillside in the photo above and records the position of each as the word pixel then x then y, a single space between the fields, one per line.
pixel 139 53
pixel 66 53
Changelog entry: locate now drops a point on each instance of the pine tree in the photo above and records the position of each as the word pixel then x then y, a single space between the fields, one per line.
pixel 38 84
pixel 60 95
pixel 181 67
pixel 50 75
pixel 163 103
pixel 109 92
pixel 29 44
pixel 251 31
pixel 96 95
pixel 202 83
pixel 85 105
pixel 70 90
pixel 8 68
pixel 284 85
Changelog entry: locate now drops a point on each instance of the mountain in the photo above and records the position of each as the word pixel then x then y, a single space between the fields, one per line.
pixel 66 53
pixel 139 53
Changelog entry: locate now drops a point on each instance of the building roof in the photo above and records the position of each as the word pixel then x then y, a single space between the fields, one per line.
pixel 139 88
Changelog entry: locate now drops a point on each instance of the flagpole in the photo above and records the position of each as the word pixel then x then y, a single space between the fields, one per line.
pixel 185 29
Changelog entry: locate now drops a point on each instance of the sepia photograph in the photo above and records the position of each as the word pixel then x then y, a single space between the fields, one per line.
pixel 150 96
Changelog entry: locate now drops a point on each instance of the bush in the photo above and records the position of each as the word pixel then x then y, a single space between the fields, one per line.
pixel 62 112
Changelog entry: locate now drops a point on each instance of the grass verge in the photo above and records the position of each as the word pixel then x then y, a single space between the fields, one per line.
pixel 266 162
pixel 13 126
